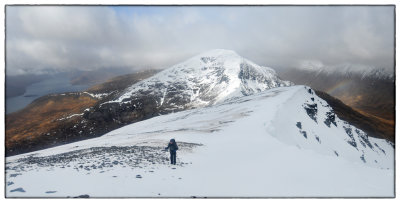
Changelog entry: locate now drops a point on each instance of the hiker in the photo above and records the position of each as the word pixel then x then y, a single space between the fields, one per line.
pixel 172 150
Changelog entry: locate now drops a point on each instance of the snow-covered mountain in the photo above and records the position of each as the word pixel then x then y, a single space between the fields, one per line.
pixel 281 142
pixel 205 79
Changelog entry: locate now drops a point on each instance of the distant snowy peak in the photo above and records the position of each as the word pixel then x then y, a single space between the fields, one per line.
pixel 378 74
pixel 347 70
pixel 205 79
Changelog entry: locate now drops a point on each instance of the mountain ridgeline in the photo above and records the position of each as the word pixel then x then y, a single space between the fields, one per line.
pixel 208 79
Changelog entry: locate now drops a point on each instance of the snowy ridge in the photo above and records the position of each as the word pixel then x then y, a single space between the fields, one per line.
pixel 242 147
pixel 205 79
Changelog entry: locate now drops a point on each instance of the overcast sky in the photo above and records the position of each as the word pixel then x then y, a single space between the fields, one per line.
pixel 46 38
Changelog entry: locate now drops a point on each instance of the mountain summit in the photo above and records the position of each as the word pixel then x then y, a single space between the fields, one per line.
pixel 205 79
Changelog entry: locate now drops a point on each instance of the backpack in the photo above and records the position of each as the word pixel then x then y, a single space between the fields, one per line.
pixel 173 146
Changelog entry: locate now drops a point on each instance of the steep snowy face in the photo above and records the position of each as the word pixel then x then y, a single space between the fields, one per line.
pixel 205 79
pixel 313 125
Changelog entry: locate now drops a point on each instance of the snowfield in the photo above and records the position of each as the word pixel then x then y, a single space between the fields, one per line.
pixel 283 142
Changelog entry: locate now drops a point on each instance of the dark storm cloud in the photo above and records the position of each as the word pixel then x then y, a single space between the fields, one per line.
pixel 42 38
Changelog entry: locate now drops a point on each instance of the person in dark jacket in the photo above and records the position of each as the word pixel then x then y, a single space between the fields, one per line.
pixel 172 146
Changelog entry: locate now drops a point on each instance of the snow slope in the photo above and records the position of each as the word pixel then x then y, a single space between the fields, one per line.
pixel 283 142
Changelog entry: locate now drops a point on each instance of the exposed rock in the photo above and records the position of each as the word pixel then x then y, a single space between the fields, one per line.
pixel 311 110
pixel 330 119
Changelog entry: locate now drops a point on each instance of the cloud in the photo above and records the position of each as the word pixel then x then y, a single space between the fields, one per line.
pixel 59 38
